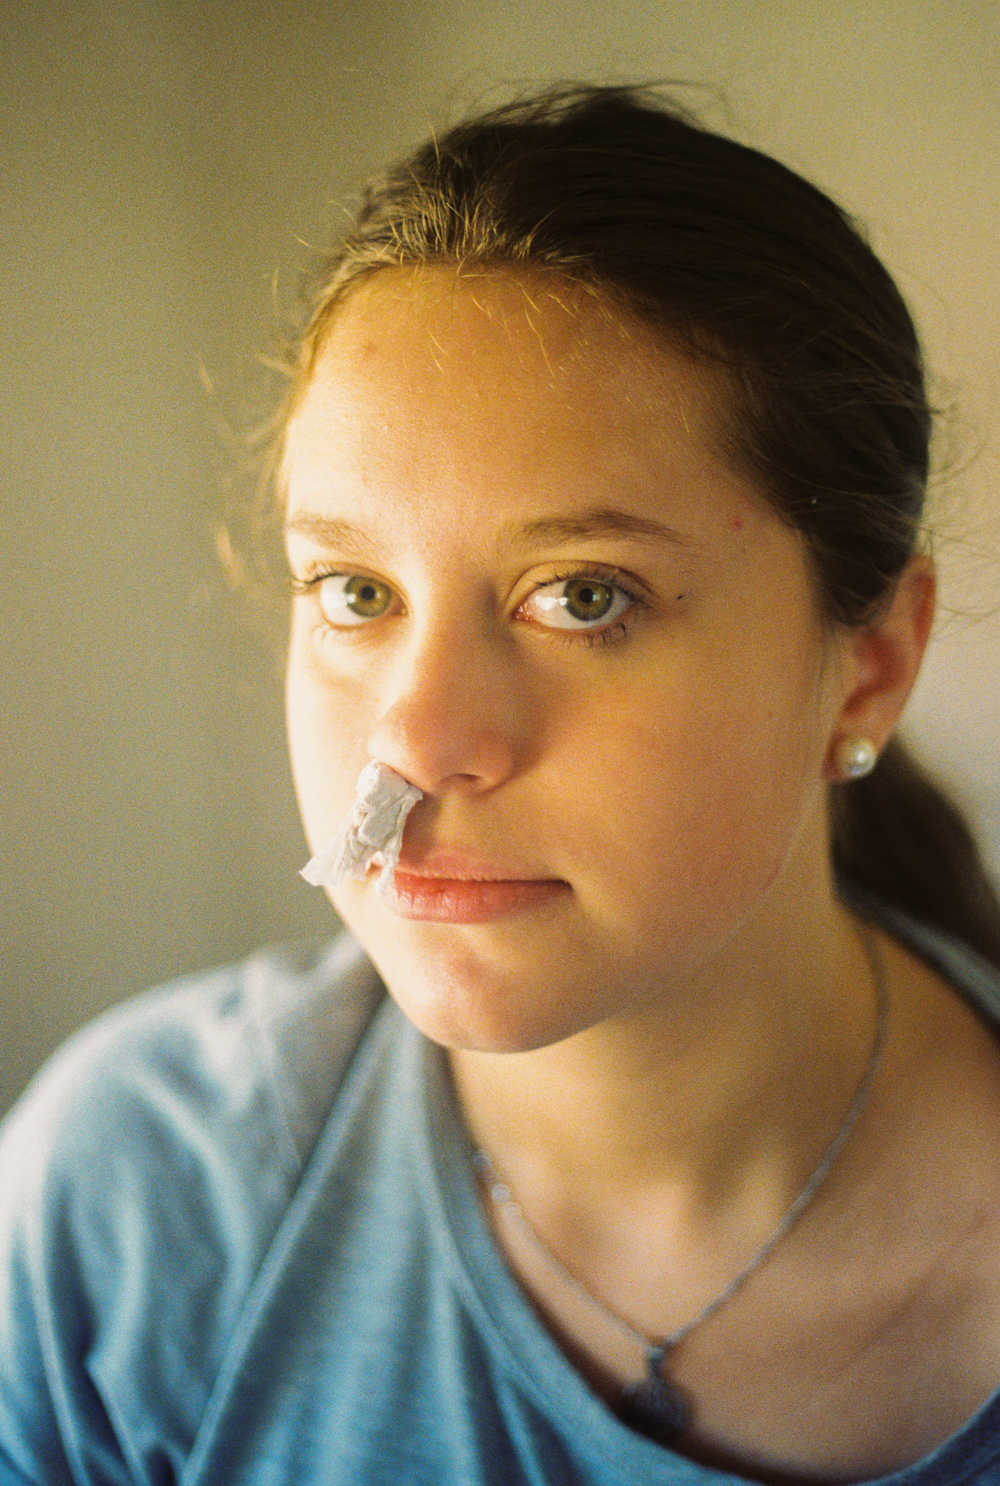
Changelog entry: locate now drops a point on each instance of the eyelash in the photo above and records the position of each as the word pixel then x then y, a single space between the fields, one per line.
pixel 614 633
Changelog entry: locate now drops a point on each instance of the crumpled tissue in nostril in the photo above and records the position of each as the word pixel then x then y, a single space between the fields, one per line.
pixel 383 801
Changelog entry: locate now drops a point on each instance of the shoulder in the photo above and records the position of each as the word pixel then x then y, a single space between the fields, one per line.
pixel 145 1172
pixel 250 1051
pixel 976 978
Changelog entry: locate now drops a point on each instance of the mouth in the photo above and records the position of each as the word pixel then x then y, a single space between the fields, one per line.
pixel 457 888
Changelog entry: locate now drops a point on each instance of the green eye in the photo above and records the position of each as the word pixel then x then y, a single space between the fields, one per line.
pixel 367 597
pixel 353 599
pixel 577 603
pixel 587 600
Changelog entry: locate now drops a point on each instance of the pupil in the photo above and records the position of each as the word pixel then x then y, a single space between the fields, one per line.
pixel 588 600
pixel 367 597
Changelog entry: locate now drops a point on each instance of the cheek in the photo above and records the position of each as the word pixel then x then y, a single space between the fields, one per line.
pixel 696 791
pixel 326 742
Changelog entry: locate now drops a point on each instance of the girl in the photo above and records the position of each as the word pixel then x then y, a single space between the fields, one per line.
pixel 671 1156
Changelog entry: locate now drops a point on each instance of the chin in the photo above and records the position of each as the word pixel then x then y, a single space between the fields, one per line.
pixel 484 988
pixel 472 1007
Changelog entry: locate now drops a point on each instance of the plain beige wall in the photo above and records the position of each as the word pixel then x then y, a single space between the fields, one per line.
pixel 162 162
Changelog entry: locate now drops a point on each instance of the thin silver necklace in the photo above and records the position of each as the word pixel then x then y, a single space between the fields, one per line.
pixel 656 1406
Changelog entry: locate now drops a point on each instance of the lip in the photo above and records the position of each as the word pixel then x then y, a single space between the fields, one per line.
pixel 462 866
pixel 456 888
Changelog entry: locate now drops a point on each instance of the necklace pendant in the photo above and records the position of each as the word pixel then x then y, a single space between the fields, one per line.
pixel 654 1406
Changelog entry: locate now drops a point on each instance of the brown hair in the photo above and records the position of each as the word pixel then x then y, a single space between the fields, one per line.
pixel 741 261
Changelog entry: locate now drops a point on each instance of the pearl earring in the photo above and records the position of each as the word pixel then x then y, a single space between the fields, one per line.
pixel 854 757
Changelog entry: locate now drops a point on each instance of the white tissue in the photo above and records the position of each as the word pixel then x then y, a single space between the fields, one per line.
pixel 384 800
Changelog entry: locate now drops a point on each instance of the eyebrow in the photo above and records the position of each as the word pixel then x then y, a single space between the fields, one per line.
pixel 602 521
pixel 327 531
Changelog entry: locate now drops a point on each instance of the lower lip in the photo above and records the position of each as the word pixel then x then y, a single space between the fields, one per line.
pixel 446 900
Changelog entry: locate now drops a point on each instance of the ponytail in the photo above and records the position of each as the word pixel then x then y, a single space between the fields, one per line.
pixel 895 834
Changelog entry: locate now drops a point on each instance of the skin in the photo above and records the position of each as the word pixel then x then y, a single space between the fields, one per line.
pixel 656 1053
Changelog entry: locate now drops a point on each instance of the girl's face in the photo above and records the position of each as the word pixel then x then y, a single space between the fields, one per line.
pixel 528 582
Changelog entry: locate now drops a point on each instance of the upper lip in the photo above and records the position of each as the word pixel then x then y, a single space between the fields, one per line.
pixel 463 866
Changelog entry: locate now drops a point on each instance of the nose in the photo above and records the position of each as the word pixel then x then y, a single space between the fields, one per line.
pixel 454 713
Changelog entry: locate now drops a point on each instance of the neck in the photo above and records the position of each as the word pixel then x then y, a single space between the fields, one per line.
pixel 732 1083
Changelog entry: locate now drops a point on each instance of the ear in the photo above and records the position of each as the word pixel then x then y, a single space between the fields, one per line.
pixel 880 662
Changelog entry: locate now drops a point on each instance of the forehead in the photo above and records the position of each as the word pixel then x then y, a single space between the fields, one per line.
pixel 444 311
pixel 502 388
pixel 435 332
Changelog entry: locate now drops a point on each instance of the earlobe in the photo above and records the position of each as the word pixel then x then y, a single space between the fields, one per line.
pixel 882 662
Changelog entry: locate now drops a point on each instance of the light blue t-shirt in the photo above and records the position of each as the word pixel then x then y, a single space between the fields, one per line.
pixel 240 1242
